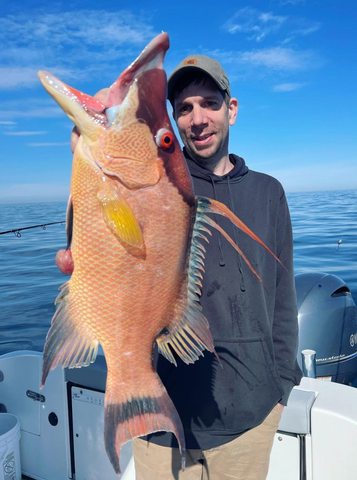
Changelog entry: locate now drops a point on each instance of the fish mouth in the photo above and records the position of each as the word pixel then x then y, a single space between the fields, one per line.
pixel 152 57
pixel 73 102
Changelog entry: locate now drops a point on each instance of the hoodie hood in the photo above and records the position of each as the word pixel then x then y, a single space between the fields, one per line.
pixel 237 173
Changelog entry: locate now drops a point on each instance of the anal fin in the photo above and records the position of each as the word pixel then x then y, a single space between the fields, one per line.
pixel 64 344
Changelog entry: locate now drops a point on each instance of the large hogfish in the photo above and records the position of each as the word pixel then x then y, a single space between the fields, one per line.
pixel 134 226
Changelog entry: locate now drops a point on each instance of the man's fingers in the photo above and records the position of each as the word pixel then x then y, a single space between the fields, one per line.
pixel 64 261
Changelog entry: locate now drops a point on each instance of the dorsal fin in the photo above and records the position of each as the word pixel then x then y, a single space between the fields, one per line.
pixel 190 334
pixel 208 205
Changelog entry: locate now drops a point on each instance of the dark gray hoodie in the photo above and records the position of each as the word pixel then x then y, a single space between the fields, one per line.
pixel 254 326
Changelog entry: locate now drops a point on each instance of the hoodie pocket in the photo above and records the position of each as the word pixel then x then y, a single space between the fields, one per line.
pixel 244 391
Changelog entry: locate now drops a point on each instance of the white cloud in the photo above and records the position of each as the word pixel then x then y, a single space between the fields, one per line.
pixel 16 77
pixel 279 58
pixel 90 27
pixel 287 40
pixel 308 29
pixel 33 113
pixel 70 45
pixel 276 58
pixel 7 122
pixel 32 108
pixel 56 144
pixel 24 133
pixel 288 87
pixel 257 24
pixel 291 2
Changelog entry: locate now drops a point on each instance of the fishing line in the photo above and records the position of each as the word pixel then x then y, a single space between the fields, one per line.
pixel 16 231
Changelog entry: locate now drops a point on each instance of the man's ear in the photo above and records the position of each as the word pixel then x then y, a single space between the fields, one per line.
pixel 232 110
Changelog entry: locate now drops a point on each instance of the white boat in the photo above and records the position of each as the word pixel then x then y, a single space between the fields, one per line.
pixel 62 425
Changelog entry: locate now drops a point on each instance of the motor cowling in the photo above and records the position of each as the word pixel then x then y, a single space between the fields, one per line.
pixel 328 324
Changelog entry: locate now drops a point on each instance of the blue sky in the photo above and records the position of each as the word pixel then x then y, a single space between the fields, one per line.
pixel 292 66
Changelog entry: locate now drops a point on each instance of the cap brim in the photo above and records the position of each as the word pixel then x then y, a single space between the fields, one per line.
pixel 175 76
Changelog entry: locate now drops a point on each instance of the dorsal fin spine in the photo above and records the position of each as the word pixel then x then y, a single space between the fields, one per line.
pixel 191 334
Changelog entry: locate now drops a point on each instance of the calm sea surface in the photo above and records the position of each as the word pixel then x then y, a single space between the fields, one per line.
pixel 29 278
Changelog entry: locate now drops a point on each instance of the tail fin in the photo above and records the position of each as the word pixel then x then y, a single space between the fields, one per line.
pixel 136 417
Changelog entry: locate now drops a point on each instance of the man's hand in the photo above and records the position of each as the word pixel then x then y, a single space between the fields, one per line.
pixel 64 261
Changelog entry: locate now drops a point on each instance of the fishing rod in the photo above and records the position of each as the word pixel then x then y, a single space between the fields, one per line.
pixel 16 231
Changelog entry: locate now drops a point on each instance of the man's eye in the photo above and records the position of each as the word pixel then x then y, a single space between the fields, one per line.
pixel 184 109
pixel 210 103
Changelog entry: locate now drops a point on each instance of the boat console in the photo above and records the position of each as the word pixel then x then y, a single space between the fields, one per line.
pixel 62 425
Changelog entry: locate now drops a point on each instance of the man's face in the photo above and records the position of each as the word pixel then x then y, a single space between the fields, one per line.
pixel 203 121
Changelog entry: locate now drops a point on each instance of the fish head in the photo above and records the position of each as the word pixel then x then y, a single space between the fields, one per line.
pixel 129 134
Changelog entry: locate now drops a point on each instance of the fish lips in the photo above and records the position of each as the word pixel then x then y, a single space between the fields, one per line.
pixel 152 57
pixel 72 101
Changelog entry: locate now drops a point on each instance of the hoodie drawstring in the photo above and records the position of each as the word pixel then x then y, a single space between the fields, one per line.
pixel 236 232
pixel 221 258
pixel 236 175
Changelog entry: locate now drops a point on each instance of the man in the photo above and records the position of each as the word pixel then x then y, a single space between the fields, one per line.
pixel 229 414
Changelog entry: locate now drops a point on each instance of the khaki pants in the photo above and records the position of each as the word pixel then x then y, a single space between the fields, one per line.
pixel 245 458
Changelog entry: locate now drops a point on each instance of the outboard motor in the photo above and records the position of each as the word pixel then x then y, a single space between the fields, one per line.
pixel 328 325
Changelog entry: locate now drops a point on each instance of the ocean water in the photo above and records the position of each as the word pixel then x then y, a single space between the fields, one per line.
pixel 29 278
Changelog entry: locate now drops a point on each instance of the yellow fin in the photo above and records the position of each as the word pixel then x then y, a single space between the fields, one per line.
pixel 119 216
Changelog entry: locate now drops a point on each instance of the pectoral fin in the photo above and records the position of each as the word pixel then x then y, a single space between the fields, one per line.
pixel 119 217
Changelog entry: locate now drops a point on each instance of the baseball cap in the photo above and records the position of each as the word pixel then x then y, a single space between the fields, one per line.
pixel 199 62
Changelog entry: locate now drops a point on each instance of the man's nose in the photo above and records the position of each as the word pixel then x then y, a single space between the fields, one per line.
pixel 198 116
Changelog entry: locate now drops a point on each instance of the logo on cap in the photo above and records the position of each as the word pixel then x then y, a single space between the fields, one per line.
pixel 190 61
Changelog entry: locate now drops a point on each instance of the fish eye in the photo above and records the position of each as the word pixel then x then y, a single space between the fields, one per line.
pixel 164 138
